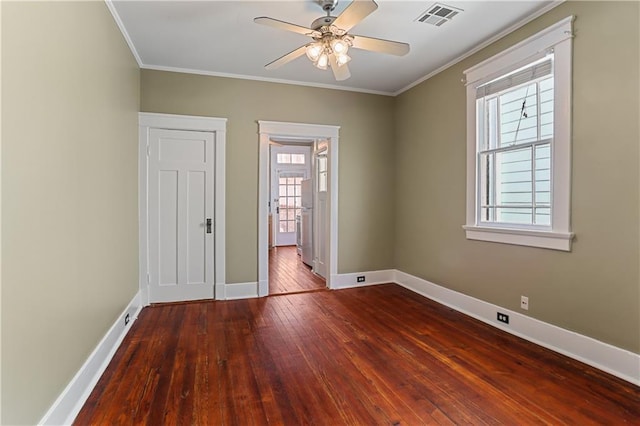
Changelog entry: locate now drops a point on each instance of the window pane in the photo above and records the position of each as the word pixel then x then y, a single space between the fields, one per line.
pixel 492 123
pixel 513 177
pixel 487 214
pixel 546 108
pixel 543 175
pixel 543 216
pixel 284 158
pixel 519 115
pixel 514 215
pixel 283 226
pixel 297 159
pixel 291 226
pixel 322 182
pixel 322 164
pixel 486 183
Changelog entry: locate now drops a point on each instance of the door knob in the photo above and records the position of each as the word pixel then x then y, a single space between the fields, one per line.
pixel 208 225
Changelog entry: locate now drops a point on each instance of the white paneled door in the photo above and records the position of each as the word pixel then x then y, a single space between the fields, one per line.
pixel 181 208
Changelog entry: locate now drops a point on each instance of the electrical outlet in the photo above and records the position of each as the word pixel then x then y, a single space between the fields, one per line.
pixel 503 318
pixel 360 279
pixel 126 319
pixel 524 303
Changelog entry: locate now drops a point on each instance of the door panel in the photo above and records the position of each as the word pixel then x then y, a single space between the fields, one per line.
pixel 197 238
pixel 181 174
pixel 168 227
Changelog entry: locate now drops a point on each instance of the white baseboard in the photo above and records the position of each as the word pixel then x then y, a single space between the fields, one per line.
pixel 339 281
pixel 616 361
pixel 239 291
pixel 65 409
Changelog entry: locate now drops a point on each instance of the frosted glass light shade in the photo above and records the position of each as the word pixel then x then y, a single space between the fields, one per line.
pixel 339 46
pixel 313 51
pixel 342 59
pixel 323 61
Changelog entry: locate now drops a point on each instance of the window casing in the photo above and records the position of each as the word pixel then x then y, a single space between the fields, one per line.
pixel 518 143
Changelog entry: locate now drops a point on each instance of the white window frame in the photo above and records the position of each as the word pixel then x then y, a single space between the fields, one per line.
pixel 557 38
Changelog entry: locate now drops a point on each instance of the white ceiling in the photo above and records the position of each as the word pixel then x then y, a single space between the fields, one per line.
pixel 220 38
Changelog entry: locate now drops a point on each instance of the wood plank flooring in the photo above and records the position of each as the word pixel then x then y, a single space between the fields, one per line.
pixel 378 355
pixel 287 273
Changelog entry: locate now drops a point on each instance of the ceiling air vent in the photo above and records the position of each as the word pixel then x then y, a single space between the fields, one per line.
pixel 438 14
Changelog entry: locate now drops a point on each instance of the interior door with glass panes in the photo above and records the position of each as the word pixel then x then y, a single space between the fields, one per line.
pixel 290 166
pixel 288 205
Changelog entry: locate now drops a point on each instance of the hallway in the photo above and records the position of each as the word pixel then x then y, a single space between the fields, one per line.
pixel 287 273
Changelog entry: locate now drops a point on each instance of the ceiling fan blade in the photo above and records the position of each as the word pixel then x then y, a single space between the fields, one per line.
pixel 275 23
pixel 339 72
pixel 286 58
pixel 354 13
pixel 380 45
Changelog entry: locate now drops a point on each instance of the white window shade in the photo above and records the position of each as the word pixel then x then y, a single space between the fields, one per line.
pixel 532 72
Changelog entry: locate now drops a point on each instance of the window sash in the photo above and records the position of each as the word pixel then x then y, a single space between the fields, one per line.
pixel 488 208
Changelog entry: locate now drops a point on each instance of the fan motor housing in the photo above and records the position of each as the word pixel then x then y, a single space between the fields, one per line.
pixel 324 21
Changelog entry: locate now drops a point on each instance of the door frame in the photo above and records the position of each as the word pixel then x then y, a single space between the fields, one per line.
pixel 268 130
pixel 217 126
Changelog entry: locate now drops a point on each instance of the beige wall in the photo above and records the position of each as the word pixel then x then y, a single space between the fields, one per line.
pixel 366 150
pixel 594 290
pixel 70 96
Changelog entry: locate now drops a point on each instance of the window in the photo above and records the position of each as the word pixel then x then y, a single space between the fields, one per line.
pixel 322 172
pixel 518 143
pixel 289 158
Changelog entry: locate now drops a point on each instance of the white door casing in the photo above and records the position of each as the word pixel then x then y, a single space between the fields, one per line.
pixel 281 130
pixel 181 177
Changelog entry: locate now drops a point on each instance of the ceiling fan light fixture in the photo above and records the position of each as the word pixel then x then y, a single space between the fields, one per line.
pixel 331 38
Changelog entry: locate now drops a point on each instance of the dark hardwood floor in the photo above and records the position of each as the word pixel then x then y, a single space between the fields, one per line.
pixel 287 273
pixel 365 356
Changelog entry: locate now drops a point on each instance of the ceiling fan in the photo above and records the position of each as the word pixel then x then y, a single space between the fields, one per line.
pixel 331 38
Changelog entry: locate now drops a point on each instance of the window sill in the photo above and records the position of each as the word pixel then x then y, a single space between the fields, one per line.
pixel 521 237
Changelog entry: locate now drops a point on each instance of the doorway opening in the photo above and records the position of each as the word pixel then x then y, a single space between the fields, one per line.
pixel 291 236
pixel 297 225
